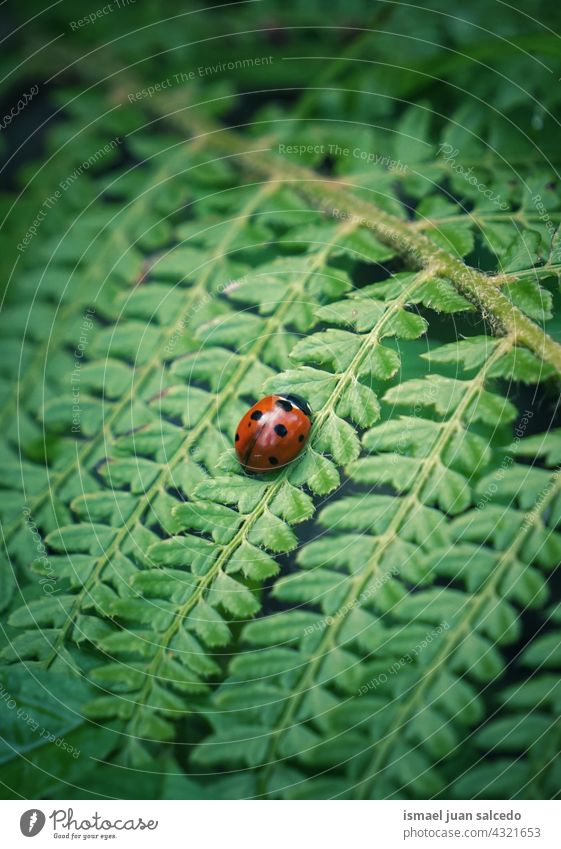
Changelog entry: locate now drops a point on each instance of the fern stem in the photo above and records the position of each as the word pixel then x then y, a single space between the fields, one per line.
pixel 452 639
pixel 145 377
pixel 274 322
pixel 549 270
pixel 141 699
pixel 247 359
pixel 358 584
pixel 371 340
pixel 335 198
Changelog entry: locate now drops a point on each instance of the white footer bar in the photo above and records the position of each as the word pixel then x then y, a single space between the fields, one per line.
pixel 282 825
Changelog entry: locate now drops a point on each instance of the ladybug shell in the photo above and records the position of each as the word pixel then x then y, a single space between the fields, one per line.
pixel 273 432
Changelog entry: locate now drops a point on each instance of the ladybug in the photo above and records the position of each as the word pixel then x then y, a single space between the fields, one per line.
pixel 273 432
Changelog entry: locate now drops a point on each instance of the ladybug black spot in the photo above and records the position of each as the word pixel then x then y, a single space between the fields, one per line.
pixel 286 405
pixel 301 438
pixel 280 430
pixel 237 437
pixel 273 461
pixel 256 415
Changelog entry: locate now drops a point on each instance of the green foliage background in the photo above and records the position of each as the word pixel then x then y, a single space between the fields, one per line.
pixel 362 207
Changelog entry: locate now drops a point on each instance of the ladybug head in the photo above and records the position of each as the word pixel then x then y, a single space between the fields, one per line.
pixel 299 402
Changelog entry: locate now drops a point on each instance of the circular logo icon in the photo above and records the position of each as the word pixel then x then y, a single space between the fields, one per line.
pixel 31 822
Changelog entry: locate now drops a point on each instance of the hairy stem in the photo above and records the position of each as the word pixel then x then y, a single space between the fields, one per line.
pixel 336 198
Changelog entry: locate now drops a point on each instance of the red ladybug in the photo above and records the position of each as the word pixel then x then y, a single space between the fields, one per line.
pixel 273 432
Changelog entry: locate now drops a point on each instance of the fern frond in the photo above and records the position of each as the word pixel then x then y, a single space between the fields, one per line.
pixel 389 228
pixel 488 620
pixel 64 308
pixel 335 701
pixel 113 549
pixel 392 231
pixel 108 378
